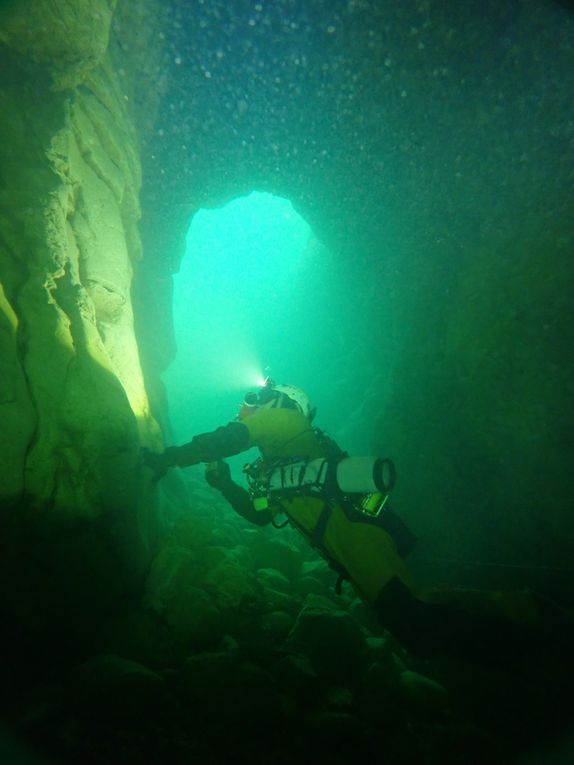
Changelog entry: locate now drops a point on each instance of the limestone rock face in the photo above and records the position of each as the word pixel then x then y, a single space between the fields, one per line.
pixel 69 236
pixel 18 415
pixel 68 39
pixel 73 405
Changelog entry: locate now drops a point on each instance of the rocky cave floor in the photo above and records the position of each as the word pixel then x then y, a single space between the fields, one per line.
pixel 241 651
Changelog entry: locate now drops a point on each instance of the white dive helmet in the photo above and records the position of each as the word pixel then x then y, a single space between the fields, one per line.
pixel 295 394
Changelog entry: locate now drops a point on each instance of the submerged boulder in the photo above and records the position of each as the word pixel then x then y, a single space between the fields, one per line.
pixel 422 692
pixel 270 577
pixel 173 592
pixel 279 555
pixel 277 624
pixel 231 585
pixel 333 642
pixel 296 678
pixel 226 692
pixel 111 687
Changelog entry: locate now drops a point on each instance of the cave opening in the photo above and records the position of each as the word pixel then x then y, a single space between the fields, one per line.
pixel 250 298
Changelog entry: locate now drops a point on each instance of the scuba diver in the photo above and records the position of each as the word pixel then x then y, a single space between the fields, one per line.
pixel 339 504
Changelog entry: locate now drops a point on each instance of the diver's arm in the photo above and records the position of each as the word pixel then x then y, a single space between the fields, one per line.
pixel 226 441
pixel 241 502
pixel 206 447
pixel 218 475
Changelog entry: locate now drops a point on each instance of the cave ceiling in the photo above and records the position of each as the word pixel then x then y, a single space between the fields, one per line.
pixel 375 119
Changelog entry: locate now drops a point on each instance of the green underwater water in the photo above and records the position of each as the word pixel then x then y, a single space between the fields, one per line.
pixel 376 204
pixel 237 305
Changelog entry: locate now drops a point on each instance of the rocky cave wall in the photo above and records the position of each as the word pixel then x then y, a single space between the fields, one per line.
pixel 73 404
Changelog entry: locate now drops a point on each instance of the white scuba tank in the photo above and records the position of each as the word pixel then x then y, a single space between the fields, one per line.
pixel 361 475
pixel 354 475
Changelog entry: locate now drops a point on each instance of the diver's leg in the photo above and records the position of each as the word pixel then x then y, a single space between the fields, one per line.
pixel 509 628
pixel 421 627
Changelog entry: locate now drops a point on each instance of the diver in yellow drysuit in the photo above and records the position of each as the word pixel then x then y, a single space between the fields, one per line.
pixel 369 551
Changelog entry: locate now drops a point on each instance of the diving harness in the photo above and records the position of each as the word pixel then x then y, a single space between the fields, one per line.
pixel 359 484
pixel 363 482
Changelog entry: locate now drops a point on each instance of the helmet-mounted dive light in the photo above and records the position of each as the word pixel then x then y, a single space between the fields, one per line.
pixel 252 399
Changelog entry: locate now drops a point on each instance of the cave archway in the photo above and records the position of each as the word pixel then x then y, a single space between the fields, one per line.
pixel 254 292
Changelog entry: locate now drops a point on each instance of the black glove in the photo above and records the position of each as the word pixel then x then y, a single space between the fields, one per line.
pixel 158 462
pixel 218 474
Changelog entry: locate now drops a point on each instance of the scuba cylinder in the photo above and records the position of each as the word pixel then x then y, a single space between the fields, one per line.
pixel 361 475
pixel 362 483
pixel 371 477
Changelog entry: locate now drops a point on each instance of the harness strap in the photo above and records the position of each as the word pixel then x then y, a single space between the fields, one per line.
pixel 316 536
pixel 319 531
pixel 330 494
pixel 316 540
